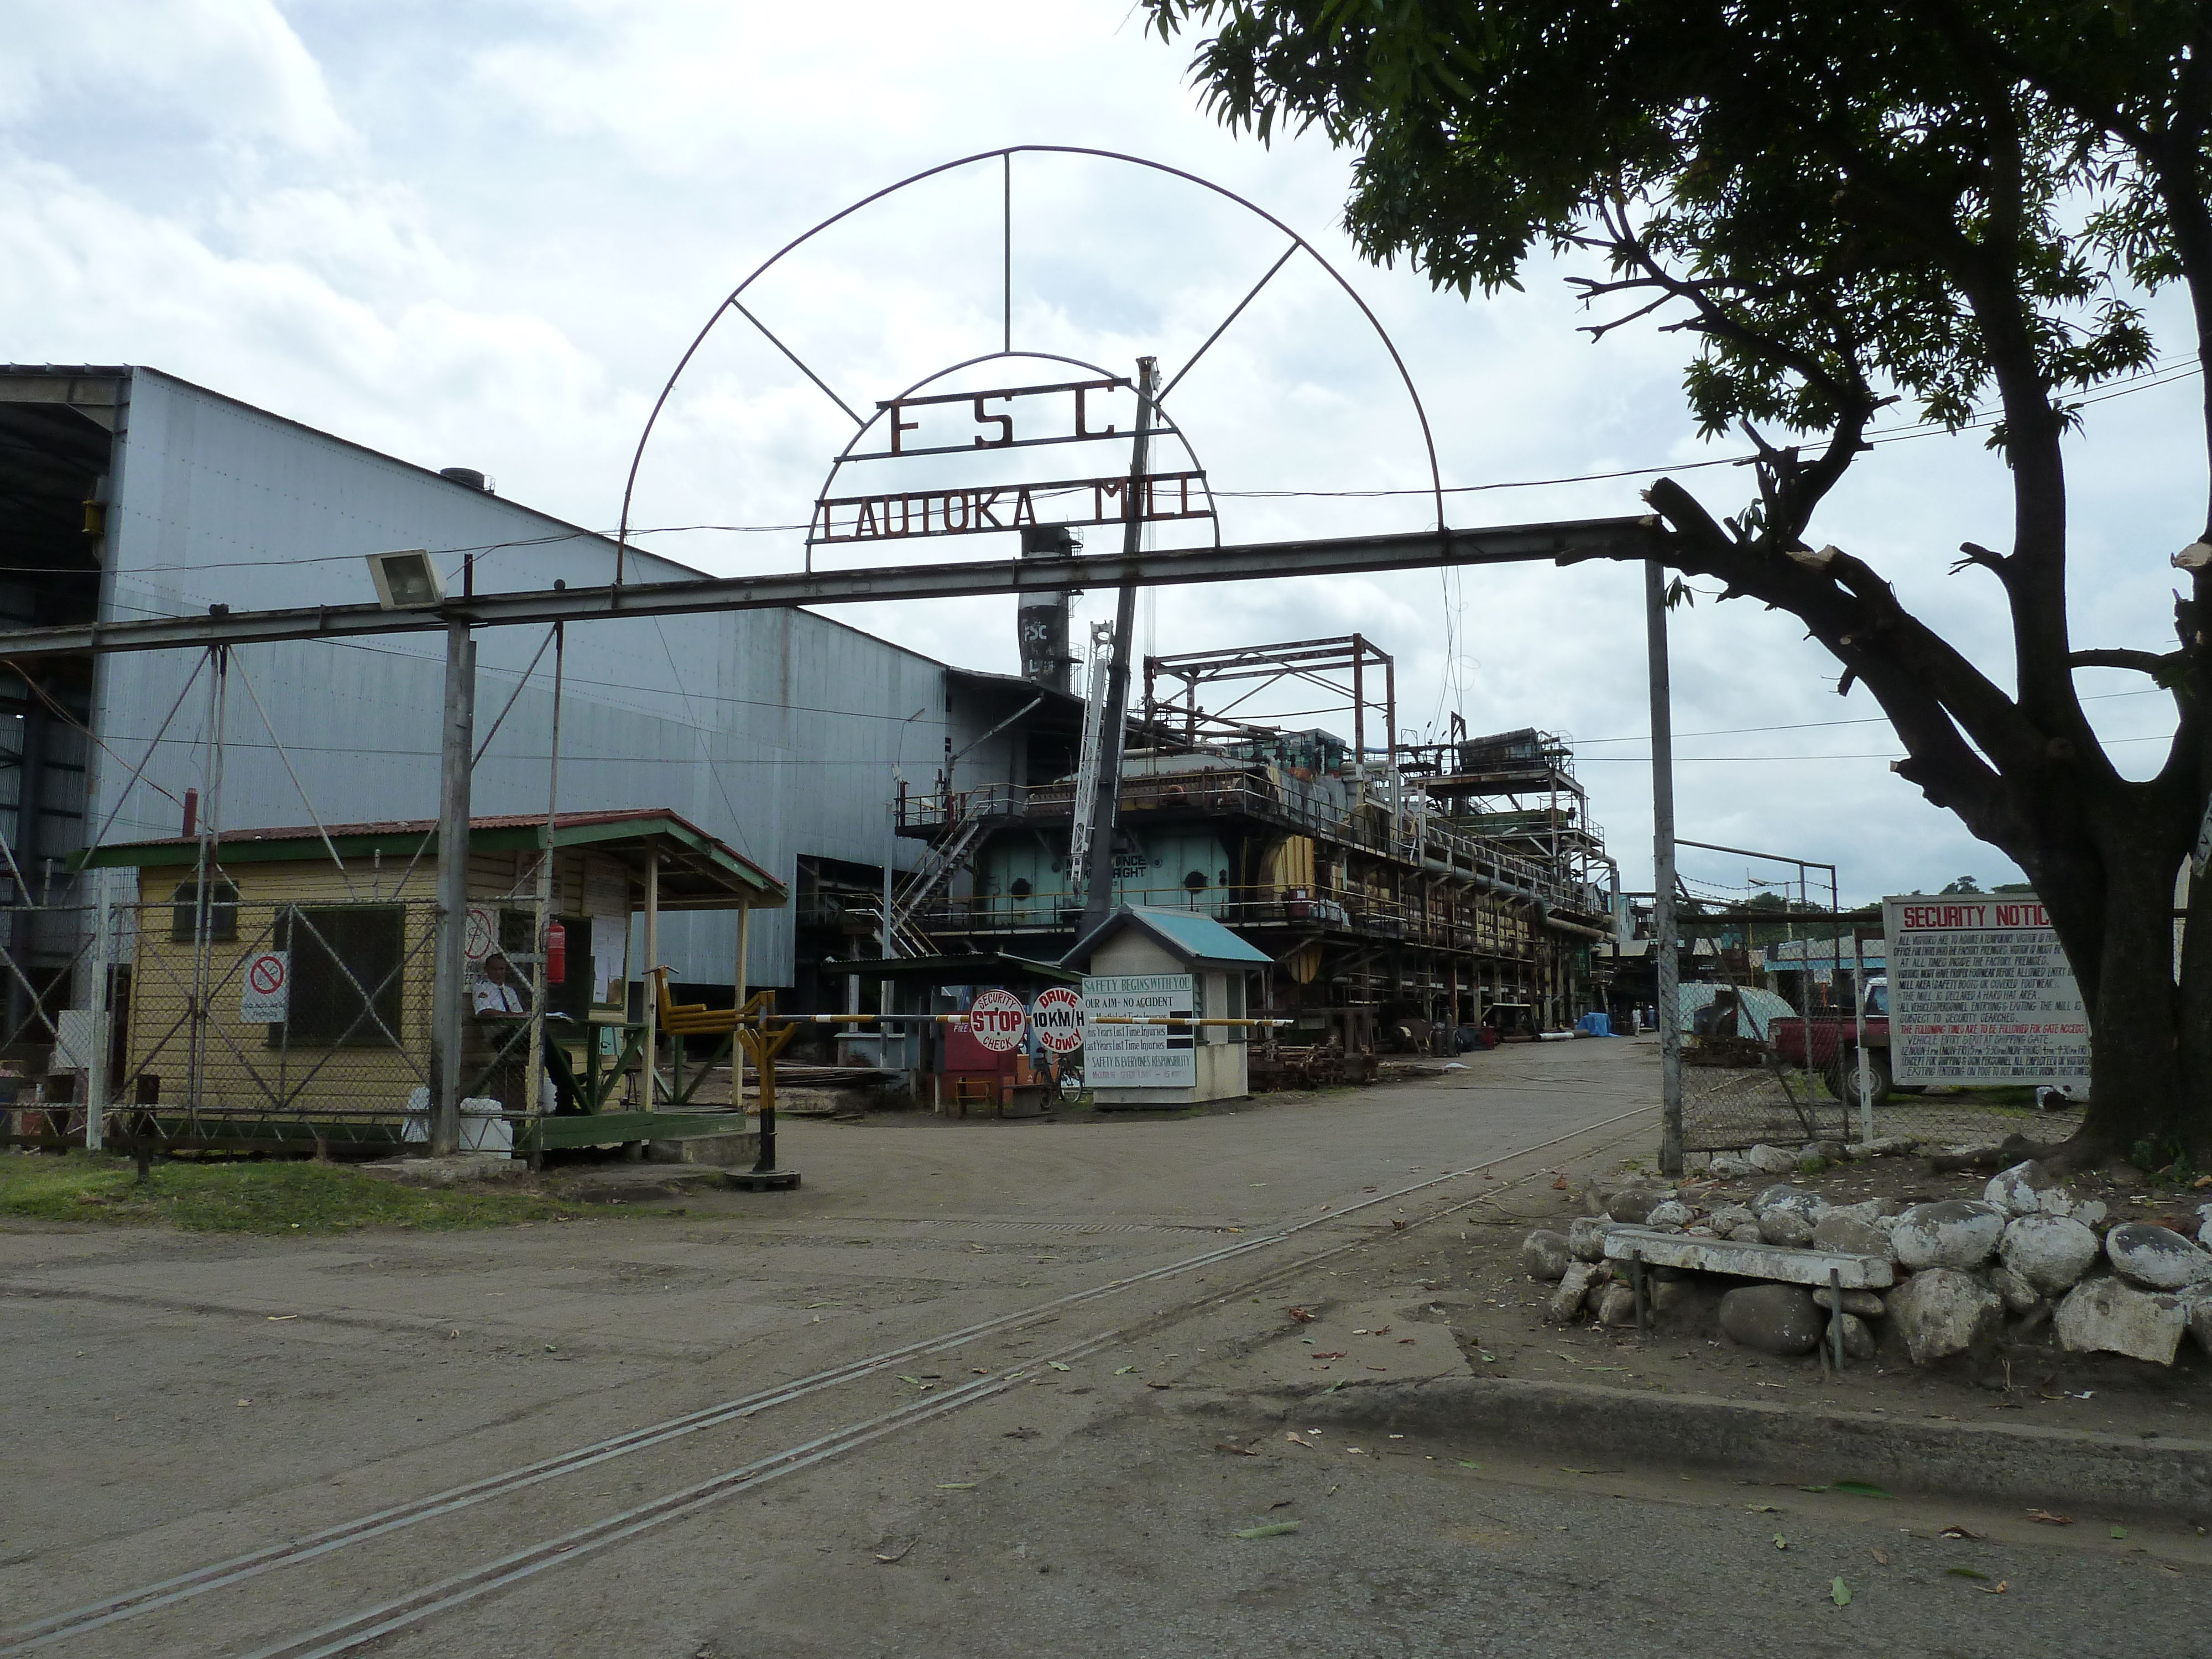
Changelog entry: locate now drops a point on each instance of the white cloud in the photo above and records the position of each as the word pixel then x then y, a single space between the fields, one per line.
pixel 481 234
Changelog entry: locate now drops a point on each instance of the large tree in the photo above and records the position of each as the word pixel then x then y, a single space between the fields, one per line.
pixel 1847 207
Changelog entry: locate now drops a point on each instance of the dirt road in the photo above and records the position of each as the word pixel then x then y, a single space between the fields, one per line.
pixel 960 1394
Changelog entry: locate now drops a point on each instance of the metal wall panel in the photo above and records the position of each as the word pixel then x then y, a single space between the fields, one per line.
pixel 778 730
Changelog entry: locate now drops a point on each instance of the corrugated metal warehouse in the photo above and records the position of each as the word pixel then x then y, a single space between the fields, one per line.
pixel 133 493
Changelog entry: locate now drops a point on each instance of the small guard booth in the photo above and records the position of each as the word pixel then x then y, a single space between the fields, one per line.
pixel 1146 965
pixel 292 1005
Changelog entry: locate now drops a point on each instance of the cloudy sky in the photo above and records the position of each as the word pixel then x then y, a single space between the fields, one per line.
pixel 482 232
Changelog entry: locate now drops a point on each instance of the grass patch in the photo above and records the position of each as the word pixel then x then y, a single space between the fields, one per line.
pixel 277 1196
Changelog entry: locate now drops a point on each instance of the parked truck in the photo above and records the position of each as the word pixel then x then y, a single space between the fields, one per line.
pixel 1835 1033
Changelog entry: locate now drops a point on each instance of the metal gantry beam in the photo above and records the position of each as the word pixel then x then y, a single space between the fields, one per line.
pixel 1568 542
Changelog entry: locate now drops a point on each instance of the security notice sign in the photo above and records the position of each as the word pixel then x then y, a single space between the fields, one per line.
pixel 1138 1056
pixel 1980 992
pixel 264 996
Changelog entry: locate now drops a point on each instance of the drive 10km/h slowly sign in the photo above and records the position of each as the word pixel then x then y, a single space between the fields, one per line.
pixel 997 1020
pixel 1058 1017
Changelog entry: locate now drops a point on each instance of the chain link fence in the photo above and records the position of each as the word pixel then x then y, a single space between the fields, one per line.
pixel 1738 1094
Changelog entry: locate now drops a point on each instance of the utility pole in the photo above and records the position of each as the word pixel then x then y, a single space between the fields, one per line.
pixel 1666 966
pixel 448 1009
pixel 1098 879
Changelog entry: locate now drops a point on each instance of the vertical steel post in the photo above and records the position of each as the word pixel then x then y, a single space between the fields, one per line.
pixel 448 1014
pixel 102 896
pixel 541 987
pixel 1098 879
pixel 1862 1074
pixel 652 981
pixel 1665 965
pixel 736 1048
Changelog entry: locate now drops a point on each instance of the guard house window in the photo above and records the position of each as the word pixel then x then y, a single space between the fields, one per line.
pixel 221 912
pixel 1235 1010
pixel 345 974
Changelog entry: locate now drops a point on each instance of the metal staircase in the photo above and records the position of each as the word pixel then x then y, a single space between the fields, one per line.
pixel 928 880
pixel 1087 767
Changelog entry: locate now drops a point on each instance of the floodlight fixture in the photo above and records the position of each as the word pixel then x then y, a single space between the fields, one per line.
pixel 406 581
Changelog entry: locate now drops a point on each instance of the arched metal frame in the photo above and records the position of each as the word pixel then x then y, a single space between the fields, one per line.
pixel 1006 154
pixel 1165 423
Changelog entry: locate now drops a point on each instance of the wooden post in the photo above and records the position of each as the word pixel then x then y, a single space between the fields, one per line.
pixel 652 986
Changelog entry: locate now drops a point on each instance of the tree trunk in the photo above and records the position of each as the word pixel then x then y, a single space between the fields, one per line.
pixel 2117 928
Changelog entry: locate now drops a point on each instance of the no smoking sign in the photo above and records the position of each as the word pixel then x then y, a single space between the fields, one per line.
pixel 265 997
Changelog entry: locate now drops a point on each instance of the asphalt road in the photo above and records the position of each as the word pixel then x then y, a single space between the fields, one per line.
pixel 177 1401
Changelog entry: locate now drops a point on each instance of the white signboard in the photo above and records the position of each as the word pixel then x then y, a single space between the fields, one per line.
pixel 998 1021
pixel 264 992
pixel 1057 1017
pixel 1139 1056
pixel 1979 992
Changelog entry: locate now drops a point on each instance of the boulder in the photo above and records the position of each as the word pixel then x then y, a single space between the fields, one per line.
pixel 1771 1160
pixel 1748 1233
pixel 1858 1341
pixel 2050 1252
pixel 2107 1316
pixel 2156 1258
pixel 1848 1234
pixel 2019 1190
pixel 1952 1232
pixel 1726 1166
pixel 1574 1285
pixel 1941 1311
pixel 1865 1304
pixel 1586 1237
pixel 1868 1210
pixel 1545 1255
pixel 2019 1297
pixel 1631 1204
pixel 1728 1216
pixel 1828 1152
pixel 1670 1213
pixel 1785 1227
pixel 1886 1146
pixel 2196 1308
pixel 1786 1195
pixel 2205 1232
pixel 1617 1306
pixel 1776 1319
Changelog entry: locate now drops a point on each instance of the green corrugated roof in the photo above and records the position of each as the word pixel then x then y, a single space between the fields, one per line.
pixel 1200 938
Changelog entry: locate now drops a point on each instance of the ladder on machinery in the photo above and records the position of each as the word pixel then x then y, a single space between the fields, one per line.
pixel 1095 677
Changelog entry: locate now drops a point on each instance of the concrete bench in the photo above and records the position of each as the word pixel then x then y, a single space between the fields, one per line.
pixel 1821 1268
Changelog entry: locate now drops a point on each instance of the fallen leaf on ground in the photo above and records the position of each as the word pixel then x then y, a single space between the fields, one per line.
pixel 1839 1593
pixel 897 1555
pixel 1242 1451
pixel 2050 1519
pixel 1780 1542
pixel 1560 1185
pixel 1333 1353
pixel 279 1319
pixel 1997 1588
pixel 903 1377
pixel 1959 1532
pixel 1762 1508
pixel 249 1403
pixel 2117 1532
pixel 1157 1385
pixel 1295 1441
pixel 1125 1370
pixel 1300 1315
pixel 1397 1224
pixel 1464 1464
pixel 1405 1338
pixel 1879 1559
pixel 1056 1365
pixel 1381 1330
pixel 1963 1573
pixel 956 1485
pixel 1272 1529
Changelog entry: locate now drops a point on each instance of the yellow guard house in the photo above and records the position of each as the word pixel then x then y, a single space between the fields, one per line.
pixel 293 998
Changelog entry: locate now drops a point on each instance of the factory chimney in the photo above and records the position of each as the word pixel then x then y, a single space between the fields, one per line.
pixel 1043 619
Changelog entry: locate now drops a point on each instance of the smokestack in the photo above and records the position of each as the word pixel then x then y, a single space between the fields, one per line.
pixel 1043 621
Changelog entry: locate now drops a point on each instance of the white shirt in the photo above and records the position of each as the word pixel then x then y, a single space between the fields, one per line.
pixel 495 998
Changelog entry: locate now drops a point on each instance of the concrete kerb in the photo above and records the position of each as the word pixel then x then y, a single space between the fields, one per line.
pixel 1756 1441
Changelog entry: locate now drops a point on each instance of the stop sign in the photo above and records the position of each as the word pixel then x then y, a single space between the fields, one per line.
pixel 1057 1017
pixel 996 1019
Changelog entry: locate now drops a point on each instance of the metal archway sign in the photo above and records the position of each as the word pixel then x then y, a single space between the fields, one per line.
pixel 967 507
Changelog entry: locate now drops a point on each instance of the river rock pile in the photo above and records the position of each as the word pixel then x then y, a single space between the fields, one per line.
pixel 2030 1252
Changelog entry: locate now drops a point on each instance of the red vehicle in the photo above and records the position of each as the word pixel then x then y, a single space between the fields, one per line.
pixel 1835 1044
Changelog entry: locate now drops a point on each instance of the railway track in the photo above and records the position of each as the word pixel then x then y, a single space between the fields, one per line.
pixel 354 1629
